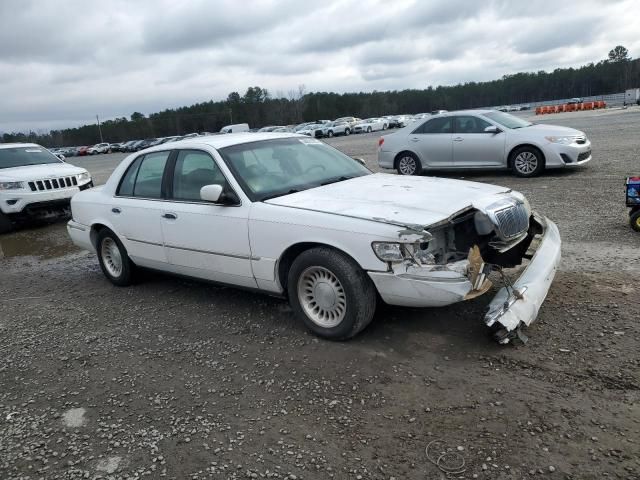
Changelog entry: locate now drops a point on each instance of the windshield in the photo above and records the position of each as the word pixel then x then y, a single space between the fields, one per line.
pixel 272 168
pixel 23 156
pixel 507 120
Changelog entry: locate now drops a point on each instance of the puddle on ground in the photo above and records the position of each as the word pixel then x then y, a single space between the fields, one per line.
pixel 44 242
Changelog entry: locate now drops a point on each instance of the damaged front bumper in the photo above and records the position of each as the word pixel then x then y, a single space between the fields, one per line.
pixel 514 305
pixel 519 303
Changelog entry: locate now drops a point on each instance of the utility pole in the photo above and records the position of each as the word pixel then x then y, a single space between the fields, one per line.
pixel 231 116
pixel 99 128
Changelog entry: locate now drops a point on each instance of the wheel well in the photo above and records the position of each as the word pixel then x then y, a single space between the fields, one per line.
pixel 510 156
pixel 291 253
pixel 96 228
pixel 404 152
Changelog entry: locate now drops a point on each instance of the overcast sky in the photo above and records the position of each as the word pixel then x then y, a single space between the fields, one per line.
pixel 64 61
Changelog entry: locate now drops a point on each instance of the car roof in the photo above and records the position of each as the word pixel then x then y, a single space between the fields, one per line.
pixel 228 139
pixel 466 112
pixel 14 145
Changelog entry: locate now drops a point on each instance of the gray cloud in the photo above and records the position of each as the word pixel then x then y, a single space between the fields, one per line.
pixel 63 62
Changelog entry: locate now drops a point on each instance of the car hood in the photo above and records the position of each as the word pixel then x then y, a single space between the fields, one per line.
pixel 548 130
pixel 37 172
pixel 400 200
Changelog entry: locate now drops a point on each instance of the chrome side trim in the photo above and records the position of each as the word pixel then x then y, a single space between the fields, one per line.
pixel 144 241
pixel 210 252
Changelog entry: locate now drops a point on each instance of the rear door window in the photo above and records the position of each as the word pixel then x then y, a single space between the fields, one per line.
pixel 144 177
pixel 436 125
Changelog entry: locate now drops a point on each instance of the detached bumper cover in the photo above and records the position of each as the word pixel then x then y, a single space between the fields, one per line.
pixel 512 307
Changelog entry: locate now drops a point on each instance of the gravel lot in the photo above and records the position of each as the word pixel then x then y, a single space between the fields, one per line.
pixel 178 379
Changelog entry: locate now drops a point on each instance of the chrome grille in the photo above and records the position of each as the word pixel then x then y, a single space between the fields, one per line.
pixel 53 183
pixel 512 220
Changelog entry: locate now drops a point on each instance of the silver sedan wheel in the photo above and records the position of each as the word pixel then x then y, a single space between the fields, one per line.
pixel 526 163
pixel 111 257
pixel 407 165
pixel 322 297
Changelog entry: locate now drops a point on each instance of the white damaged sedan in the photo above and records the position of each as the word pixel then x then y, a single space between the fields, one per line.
pixel 291 216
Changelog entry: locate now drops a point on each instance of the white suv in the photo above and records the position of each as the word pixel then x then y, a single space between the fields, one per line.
pixel 34 183
pixel 99 148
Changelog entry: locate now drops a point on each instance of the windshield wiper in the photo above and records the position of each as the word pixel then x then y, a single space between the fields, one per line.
pixel 336 180
pixel 281 194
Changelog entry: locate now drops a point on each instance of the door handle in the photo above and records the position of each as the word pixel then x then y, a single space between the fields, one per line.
pixel 116 210
pixel 414 139
pixel 169 216
pixel 458 139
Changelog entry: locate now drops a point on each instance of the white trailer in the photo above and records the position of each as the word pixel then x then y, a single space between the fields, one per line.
pixel 631 96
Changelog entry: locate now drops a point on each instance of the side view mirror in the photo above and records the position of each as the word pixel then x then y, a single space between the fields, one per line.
pixel 215 194
pixel 492 129
pixel 211 193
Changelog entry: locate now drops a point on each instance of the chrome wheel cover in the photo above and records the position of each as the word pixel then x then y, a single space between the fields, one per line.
pixel 407 165
pixel 526 163
pixel 322 297
pixel 111 257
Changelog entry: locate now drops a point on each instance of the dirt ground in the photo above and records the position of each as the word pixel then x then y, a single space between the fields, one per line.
pixel 178 379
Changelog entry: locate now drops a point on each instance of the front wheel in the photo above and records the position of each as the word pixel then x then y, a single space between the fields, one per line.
pixel 527 162
pixel 5 223
pixel 113 258
pixel 347 132
pixel 332 295
pixel 408 164
pixel 634 220
pixel 330 133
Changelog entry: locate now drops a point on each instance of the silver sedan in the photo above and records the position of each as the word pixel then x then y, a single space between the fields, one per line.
pixel 476 139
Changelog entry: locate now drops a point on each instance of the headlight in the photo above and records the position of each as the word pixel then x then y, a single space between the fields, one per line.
pixel 83 176
pixel 388 251
pixel 11 185
pixel 561 140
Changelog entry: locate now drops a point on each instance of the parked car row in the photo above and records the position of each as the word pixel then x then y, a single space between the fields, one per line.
pixel 316 128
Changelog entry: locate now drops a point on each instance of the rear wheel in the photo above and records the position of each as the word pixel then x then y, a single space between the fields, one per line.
pixel 527 162
pixel 113 258
pixel 408 164
pixel 369 130
pixel 330 133
pixel 347 132
pixel 331 293
pixel 5 223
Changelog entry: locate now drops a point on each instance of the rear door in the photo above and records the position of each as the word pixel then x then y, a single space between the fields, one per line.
pixel 137 206
pixel 432 142
pixel 473 147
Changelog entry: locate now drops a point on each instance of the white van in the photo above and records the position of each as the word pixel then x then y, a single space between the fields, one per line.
pixel 238 127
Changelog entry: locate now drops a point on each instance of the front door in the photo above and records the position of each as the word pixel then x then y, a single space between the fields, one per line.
pixel 473 147
pixel 204 239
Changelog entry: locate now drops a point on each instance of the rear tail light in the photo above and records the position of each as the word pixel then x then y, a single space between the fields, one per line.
pixel 380 141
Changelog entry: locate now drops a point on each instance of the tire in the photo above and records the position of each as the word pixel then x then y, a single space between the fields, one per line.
pixel 113 258
pixel 5 223
pixel 408 164
pixel 369 130
pixel 526 162
pixel 347 132
pixel 326 275
pixel 634 220
pixel 330 133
